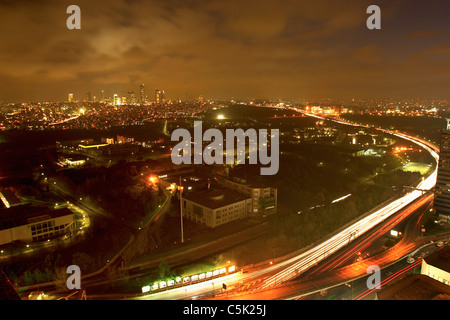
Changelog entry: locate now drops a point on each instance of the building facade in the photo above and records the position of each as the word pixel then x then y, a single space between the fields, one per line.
pixel 30 224
pixel 214 208
pixel 442 190
pixel 264 199
pixel 437 265
pixel 142 98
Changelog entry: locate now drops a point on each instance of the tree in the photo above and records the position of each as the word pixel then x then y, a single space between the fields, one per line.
pixel 28 277
pixel 39 276
pixel 164 270
pixel 60 277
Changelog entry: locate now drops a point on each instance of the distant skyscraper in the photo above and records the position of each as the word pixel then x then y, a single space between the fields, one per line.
pixel 70 98
pixel 160 96
pixel 88 96
pixel 103 96
pixel 116 100
pixel 442 191
pixel 142 93
pixel 157 96
pixel 131 97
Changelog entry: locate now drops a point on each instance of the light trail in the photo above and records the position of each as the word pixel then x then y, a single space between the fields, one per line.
pixel 64 121
pixel 314 255
pixel 385 228
pixel 341 198
pixel 388 279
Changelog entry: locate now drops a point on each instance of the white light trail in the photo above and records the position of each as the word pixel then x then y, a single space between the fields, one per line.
pixel 341 198
pixel 309 258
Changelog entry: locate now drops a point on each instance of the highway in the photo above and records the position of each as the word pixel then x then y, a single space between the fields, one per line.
pixel 310 258
pixel 267 277
pixel 359 248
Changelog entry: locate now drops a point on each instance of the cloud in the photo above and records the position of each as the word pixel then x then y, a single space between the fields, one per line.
pixel 430 33
pixel 211 47
pixel 367 54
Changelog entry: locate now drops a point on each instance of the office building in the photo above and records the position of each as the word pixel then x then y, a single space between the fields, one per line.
pixel 437 265
pixel 442 191
pixel 27 223
pixel 142 94
pixel 9 199
pixel 414 287
pixel 214 208
pixel 264 199
pixel 160 96
pixel 70 97
pixel 116 100
pixel 131 98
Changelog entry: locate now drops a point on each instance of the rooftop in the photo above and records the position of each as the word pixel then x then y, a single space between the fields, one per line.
pixel 23 215
pixel 216 198
pixel 415 287
pixel 440 259
pixel 9 198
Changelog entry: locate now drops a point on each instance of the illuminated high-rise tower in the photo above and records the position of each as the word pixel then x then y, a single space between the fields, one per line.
pixel 88 96
pixel 131 97
pixel 160 96
pixel 70 98
pixel 116 100
pixel 142 93
pixel 157 96
pixel 442 191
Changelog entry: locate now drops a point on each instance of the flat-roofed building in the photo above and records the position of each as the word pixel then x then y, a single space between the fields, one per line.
pixel 9 199
pixel 415 287
pixel 442 190
pixel 437 265
pixel 27 223
pixel 214 208
pixel 72 160
pixel 264 199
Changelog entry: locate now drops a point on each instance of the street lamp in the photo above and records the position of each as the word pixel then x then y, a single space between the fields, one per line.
pixel 349 286
pixel 180 188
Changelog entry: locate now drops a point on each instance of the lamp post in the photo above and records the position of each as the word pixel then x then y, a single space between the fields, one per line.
pixel 180 188
pixel 350 286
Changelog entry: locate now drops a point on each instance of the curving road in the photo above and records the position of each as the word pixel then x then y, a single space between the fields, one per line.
pixel 310 258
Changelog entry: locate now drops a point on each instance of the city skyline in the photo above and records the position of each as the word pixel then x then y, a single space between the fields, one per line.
pixel 287 50
pixel 225 150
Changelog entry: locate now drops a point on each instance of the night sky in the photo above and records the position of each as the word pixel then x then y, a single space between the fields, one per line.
pixel 225 49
